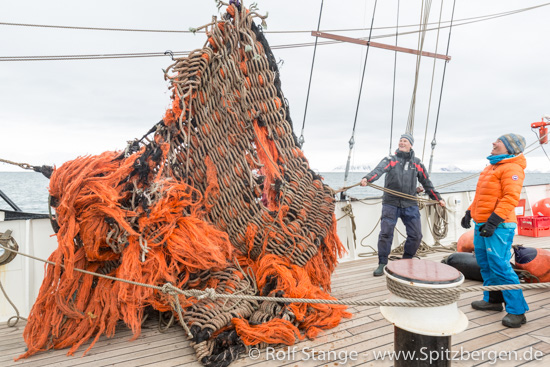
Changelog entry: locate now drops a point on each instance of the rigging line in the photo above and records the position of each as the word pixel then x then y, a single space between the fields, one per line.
pixel 546 154
pixel 474 19
pixel 301 140
pixel 535 142
pixel 98 57
pixel 352 139
pixel 434 141
pixel 477 173
pixel 91 56
pixel 509 12
pixel 534 132
pixel 452 183
pixel 162 54
pixel 431 85
pixel 433 29
pixel 159 54
pixel 394 76
pixel 532 150
pixel 98 28
pixel 424 15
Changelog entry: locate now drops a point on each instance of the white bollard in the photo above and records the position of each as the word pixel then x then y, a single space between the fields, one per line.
pixel 424 330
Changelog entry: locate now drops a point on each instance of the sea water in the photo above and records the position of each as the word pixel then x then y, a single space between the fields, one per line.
pixel 29 190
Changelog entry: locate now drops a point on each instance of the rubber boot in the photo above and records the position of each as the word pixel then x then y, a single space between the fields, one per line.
pixel 379 270
pixel 514 321
pixel 486 306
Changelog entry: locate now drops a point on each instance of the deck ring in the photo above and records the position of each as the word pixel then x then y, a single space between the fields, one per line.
pixel 8 241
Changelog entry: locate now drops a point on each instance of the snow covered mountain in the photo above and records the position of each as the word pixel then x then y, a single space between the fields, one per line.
pixel 367 168
pixel 353 168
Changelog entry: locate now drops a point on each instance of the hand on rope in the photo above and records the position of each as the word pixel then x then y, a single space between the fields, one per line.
pixel 346 188
pixel 420 200
pixel 364 182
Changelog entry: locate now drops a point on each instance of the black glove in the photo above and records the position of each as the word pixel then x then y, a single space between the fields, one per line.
pixel 487 229
pixel 465 222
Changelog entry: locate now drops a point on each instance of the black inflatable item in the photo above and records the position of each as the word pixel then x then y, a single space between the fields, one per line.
pixel 466 263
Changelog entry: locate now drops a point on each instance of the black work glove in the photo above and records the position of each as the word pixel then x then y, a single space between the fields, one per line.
pixel 465 222
pixel 488 228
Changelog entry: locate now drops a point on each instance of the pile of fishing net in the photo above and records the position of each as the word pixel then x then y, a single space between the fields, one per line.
pixel 216 195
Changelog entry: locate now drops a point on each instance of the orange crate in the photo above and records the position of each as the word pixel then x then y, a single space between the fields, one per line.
pixel 534 226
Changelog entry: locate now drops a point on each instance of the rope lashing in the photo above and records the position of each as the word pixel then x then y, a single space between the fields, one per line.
pixel 17 316
pixel 169 288
pixel 7 240
pixel 390 191
pixel 440 225
pixel 420 297
pixel 45 170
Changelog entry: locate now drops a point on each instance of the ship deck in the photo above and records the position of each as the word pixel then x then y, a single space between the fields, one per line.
pixel 366 333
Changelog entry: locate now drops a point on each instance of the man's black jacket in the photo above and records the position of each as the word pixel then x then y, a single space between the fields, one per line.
pixel 403 171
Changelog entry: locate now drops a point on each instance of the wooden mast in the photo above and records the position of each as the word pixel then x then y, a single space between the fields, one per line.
pixel 378 45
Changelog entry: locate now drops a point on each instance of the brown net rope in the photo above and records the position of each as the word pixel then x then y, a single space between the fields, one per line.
pixel 217 195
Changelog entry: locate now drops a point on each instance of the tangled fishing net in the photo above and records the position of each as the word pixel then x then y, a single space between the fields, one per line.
pixel 216 195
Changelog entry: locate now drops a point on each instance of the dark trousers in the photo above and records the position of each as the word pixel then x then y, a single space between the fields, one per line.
pixel 411 219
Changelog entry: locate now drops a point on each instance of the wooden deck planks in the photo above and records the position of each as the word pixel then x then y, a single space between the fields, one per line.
pixel 365 333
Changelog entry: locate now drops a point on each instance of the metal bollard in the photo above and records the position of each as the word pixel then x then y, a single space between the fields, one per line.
pixel 422 335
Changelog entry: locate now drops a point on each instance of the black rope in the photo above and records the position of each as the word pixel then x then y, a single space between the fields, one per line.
pixel 434 143
pixel 394 70
pixel 301 140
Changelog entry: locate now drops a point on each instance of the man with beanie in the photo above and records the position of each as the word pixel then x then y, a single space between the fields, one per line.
pixel 493 212
pixel 403 171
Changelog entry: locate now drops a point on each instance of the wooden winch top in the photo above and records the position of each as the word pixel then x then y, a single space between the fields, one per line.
pixel 422 271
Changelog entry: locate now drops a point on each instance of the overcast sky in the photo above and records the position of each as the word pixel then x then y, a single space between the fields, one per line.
pixel 497 82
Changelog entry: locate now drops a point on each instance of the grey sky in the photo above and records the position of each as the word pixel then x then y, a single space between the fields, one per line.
pixel 497 82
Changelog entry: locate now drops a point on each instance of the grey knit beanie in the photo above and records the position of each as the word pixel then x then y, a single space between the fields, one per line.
pixel 514 143
pixel 409 137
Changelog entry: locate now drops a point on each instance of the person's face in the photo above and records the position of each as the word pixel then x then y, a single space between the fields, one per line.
pixel 404 145
pixel 499 148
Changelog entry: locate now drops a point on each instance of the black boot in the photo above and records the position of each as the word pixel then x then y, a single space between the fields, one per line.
pixel 379 270
pixel 514 321
pixel 486 306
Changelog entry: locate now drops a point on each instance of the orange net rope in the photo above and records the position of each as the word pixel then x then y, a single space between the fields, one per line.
pixel 217 195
